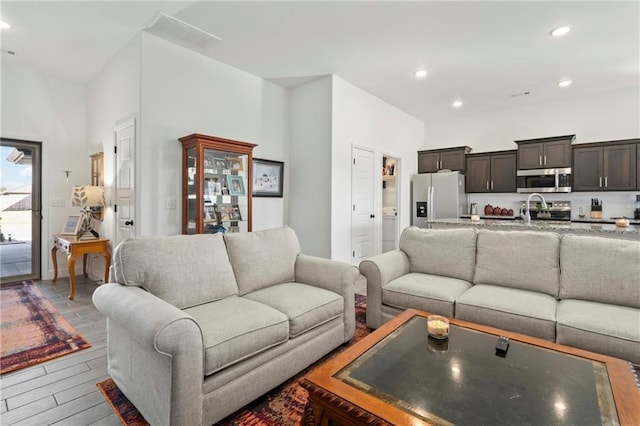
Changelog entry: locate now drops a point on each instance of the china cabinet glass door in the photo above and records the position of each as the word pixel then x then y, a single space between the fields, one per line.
pixel 217 185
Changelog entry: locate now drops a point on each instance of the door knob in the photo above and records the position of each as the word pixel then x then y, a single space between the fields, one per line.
pixel 128 222
pixel 372 216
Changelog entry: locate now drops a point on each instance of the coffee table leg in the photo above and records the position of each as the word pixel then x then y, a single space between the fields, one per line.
pixel 308 417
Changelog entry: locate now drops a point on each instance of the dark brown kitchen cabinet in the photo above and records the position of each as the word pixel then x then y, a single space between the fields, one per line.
pixel 430 161
pixel 607 166
pixel 545 153
pixel 491 172
pixel 638 167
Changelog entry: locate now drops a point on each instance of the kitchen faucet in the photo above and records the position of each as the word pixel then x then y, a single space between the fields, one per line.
pixel 527 216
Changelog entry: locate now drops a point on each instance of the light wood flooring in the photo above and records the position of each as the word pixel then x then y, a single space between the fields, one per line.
pixel 63 391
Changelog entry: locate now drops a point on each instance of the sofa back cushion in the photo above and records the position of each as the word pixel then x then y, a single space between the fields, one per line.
pixel 528 260
pixel 184 270
pixel 263 258
pixel 445 252
pixel 598 269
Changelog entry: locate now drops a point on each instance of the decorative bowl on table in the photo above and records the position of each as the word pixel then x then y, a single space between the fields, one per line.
pixel 438 327
pixel 622 222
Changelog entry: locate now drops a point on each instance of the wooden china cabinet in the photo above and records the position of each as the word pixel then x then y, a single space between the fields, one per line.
pixel 216 184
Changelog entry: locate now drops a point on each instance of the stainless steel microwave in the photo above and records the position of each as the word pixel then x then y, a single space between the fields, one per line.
pixel 544 180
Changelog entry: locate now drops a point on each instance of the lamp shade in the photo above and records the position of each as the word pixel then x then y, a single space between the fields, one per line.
pixel 87 196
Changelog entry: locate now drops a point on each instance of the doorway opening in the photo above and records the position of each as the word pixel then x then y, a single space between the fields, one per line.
pixel 390 202
pixel 20 210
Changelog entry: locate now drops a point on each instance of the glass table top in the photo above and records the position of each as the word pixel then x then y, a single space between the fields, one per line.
pixel 461 380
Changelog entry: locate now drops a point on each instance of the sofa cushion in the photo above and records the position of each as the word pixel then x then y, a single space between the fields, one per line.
pixel 184 270
pixel 511 309
pixel 263 258
pixel 600 269
pixel 431 293
pixel 446 252
pixel 600 327
pixel 528 260
pixel 236 328
pixel 305 306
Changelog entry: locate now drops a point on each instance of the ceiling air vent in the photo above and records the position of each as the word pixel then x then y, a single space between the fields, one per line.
pixel 180 32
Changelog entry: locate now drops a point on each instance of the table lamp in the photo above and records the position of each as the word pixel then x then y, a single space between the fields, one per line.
pixel 86 196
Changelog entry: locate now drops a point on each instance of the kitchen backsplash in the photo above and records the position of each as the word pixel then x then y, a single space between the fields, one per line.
pixel 614 204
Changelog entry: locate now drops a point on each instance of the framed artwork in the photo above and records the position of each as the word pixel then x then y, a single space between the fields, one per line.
pixel 71 225
pixel 213 187
pixel 219 163
pixel 235 185
pixel 223 214
pixel 234 213
pixel 234 163
pixel 267 178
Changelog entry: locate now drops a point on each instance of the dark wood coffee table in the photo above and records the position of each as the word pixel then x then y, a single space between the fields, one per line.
pixel 398 375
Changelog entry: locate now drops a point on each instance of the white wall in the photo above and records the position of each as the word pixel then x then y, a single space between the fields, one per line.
pixel 361 119
pixel 113 95
pixel 600 117
pixel 183 92
pixel 50 110
pixel 310 166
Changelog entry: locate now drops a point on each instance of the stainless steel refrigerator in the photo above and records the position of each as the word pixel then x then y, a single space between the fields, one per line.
pixel 437 196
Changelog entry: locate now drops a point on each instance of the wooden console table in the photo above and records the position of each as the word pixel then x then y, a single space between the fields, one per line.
pixel 75 247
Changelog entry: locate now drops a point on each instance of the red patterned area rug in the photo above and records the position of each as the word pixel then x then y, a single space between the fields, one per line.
pixel 282 406
pixel 33 331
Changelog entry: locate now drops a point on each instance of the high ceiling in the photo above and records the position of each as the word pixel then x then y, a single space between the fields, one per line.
pixel 487 54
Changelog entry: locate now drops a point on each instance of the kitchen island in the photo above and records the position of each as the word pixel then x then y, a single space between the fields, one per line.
pixel 631 232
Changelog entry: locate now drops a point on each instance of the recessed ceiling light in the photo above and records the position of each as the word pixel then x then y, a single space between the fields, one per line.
pixel 420 73
pixel 456 104
pixel 560 31
pixel 564 83
pixel 4 25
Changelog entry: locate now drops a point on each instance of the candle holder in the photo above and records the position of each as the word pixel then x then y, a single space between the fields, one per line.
pixel 438 327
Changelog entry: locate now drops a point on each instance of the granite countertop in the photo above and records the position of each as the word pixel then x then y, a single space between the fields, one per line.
pixel 603 221
pixel 546 225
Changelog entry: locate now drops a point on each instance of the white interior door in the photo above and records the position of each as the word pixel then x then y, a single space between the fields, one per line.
pixel 125 149
pixel 362 198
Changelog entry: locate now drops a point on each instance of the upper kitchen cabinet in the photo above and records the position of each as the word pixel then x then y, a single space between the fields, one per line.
pixel 491 172
pixel 545 152
pixel 606 166
pixel 638 167
pixel 430 161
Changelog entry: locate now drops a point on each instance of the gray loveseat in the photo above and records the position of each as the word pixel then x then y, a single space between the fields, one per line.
pixel 200 325
pixel 582 291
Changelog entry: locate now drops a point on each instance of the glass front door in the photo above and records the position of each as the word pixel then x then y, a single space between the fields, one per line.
pixel 20 210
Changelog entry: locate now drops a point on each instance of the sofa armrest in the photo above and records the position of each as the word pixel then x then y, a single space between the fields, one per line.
pixel 149 337
pixel 332 275
pixel 380 270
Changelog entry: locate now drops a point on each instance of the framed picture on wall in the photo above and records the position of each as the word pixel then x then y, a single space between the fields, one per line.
pixel 267 178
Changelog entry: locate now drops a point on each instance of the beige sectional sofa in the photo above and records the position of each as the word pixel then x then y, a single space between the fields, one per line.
pixel 200 325
pixel 582 291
